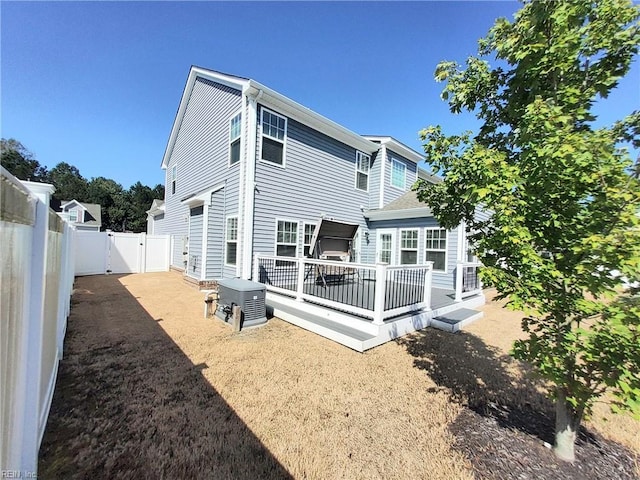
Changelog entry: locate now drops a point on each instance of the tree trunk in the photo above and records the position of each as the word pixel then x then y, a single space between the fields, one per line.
pixel 567 425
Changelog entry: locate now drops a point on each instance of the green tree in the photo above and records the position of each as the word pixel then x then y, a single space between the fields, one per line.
pixel 108 194
pixel 20 162
pixel 70 185
pixel 563 193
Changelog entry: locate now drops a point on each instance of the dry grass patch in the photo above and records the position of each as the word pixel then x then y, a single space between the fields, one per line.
pixel 150 388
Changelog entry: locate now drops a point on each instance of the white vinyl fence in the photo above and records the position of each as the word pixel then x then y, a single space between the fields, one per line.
pixel 98 253
pixel 35 290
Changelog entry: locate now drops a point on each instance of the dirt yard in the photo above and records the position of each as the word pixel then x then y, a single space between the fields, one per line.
pixel 148 388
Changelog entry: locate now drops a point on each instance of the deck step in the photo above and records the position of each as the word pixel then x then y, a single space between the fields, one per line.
pixel 455 320
pixel 343 334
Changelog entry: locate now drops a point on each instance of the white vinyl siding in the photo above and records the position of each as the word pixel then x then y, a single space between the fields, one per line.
pixel 436 248
pixel 363 164
pixel 409 247
pixel 274 134
pixel 398 174
pixel 231 243
pixel 235 130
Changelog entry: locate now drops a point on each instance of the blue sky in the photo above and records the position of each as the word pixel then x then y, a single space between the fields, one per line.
pixel 97 84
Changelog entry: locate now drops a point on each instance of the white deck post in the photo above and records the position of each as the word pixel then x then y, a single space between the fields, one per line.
pixel 381 288
pixel 300 283
pixel 428 280
pixel 459 271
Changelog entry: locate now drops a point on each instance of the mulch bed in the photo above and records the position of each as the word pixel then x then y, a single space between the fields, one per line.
pixel 504 443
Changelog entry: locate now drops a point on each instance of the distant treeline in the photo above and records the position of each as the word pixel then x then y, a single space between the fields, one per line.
pixel 122 210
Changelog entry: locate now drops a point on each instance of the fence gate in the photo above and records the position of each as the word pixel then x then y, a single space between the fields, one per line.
pixel 101 252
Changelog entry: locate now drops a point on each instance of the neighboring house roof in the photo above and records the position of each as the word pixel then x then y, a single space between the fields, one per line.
pixel 405 206
pixel 157 207
pixel 271 98
pixel 92 215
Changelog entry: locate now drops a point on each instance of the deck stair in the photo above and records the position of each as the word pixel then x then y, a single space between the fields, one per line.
pixel 361 334
pixel 455 320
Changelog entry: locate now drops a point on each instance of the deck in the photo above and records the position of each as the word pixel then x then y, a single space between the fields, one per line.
pixel 362 305
pixel 362 334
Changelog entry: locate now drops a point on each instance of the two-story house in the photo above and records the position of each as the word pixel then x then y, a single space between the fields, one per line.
pixel 250 171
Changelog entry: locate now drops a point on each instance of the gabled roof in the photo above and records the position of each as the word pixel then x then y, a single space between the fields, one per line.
pixel 157 207
pixel 405 206
pixel 92 215
pixel 397 147
pixel 269 98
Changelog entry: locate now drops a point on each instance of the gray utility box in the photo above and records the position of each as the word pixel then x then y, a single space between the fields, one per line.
pixel 249 296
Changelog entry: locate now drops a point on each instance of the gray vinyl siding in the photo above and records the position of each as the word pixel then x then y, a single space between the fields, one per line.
pixel 318 178
pixel 440 279
pixel 215 235
pixel 391 192
pixel 201 153
pixel 194 265
pixel 374 179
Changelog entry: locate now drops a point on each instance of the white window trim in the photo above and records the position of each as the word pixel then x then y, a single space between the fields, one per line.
pixel 360 155
pixel 173 178
pixel 275 236
pixel 284 141
pixel 404 167
pixel 394 244
pixel 417 249
pixel 446 248
pixel 304 228
pixel 226 240
pixel 239 112
pixel 77 220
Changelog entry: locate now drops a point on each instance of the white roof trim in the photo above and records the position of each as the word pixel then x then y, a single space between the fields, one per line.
pixel 64 205
pixel 202 197
pixel 397 147
pixel 270 98
pixel 194 73
pixel 379 215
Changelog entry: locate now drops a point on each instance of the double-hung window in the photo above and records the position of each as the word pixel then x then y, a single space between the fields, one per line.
pixel 398 174
pixel 235 129
pixel 436 248
pixel 174 178
pixel 231 249
pixel 363 163
pixel 408 247
pixel 274 132
pixel 287 239
pixel 309 228
pixel 73 215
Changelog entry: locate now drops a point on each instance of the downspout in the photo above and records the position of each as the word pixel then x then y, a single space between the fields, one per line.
pixel 250 179
pixel 383 154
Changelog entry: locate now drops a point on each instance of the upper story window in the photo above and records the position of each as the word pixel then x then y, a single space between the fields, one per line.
pixel 235 130
pixel 436 248
pixel 408 247
pixel 231 241
pixel 274 132
pixel 73 215
pixel 363 163
pixel 398 174
pixel 174 178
